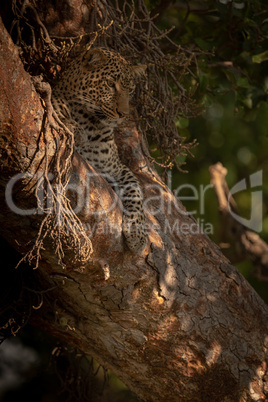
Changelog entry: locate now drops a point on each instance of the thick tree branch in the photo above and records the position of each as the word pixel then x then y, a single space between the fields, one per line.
pixel 178 323
pixel 248 243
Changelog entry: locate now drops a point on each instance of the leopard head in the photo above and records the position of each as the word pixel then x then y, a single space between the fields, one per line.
pixel 100 82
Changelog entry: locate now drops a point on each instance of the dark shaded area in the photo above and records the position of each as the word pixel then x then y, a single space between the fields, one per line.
pixel 16 298
pixel 34 365
pixel 33 368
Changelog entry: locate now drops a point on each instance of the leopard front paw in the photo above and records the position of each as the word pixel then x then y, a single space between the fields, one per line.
pixel 135 232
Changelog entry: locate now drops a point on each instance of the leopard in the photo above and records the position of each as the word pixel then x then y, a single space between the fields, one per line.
pixel 92 98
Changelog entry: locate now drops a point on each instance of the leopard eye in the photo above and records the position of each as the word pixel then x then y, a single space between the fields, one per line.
pixel 110 83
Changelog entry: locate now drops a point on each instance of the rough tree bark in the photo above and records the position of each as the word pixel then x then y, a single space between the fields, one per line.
pixel 177 323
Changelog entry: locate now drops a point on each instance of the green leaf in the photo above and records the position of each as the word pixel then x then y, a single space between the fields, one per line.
pixel 203 44
pixel 242 82
pixel 259 58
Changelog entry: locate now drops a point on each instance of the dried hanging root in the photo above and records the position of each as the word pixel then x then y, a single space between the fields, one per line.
pixel 60 223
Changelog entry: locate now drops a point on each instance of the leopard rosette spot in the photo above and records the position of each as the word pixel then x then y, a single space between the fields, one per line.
pixel 92 98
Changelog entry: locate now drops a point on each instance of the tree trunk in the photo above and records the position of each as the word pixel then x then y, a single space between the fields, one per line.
pixel 176 323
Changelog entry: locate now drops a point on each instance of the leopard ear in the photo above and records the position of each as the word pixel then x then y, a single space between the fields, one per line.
pixel 139 69
pixel 94 58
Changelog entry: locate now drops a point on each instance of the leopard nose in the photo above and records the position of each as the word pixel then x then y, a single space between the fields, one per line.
pixel 123 105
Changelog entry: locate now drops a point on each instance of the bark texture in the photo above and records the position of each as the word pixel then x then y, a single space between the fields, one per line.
pixel 178 322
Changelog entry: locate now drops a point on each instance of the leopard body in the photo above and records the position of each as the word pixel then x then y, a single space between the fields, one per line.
pixel 92 98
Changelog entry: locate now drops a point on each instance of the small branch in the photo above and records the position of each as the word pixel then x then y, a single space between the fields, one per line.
pixel 248 243
pixel 47 38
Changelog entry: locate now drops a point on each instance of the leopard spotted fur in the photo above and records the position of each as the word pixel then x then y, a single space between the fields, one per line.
pixel 92 98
